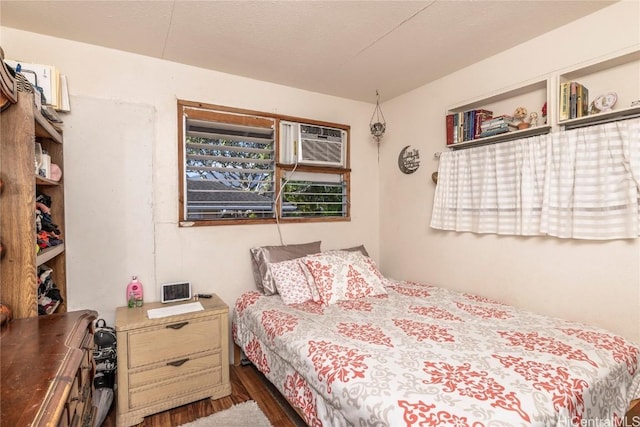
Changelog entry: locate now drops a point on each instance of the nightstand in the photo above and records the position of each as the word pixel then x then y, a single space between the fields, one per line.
pixel 170 361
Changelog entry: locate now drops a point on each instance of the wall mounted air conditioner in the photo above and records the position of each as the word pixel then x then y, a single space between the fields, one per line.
pixel 312 145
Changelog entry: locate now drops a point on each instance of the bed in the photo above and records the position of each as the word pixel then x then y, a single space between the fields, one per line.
pixel 412 354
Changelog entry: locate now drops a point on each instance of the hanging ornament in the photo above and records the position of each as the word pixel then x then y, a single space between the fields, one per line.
pixel 378 126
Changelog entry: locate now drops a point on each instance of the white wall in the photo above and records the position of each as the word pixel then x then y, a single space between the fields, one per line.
pixel 121 173
pixel 594 282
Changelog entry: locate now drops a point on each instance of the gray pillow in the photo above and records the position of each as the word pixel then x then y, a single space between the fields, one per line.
pixel 263 255
pixel 360 248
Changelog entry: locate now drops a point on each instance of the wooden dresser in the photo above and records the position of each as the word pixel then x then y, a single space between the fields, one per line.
pixel 170 361
pixel 47 369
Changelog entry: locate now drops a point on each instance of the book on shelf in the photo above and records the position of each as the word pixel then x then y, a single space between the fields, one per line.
pixel 471 126
pixel 564 101
pixel 581 93
pixel 496 122
pixel 505 117
pixel 585 101
pixel 495 126
pixel 480 116
pixel 48 81
pixel 578 102
pixel 492 123
pixel 455 128
pixel 495 131
pixel 573 97
pixel 450 119
pixel 466 125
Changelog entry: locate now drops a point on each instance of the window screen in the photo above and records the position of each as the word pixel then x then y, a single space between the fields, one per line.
pixel 313 195
pixel 229 168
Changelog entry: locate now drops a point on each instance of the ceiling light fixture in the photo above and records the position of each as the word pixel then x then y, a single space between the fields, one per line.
pixel 379 126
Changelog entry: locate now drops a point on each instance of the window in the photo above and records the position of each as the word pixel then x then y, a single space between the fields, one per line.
pixel 229 173
pixel 313 195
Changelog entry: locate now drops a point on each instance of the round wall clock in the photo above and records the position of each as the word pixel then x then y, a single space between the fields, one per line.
pixel 408 160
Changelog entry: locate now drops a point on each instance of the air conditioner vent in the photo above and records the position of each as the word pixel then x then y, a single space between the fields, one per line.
pixel 310 131
pixel 322 151
pixel 312 145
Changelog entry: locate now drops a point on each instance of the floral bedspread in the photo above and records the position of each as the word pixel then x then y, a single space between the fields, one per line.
pixel 427 356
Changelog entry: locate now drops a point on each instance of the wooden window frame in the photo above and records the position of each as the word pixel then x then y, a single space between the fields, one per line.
pixel 215 112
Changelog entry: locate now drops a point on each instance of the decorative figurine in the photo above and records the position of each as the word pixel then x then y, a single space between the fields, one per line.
pixel 521 114
pixel 603 103
pixel 533 119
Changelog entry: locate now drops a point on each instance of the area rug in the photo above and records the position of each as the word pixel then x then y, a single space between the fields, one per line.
pixel 246 414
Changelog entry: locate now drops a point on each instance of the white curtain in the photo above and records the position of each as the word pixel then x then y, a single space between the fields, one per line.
pixel 580 184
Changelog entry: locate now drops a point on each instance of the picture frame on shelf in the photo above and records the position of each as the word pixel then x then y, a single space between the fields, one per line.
pixel 603 103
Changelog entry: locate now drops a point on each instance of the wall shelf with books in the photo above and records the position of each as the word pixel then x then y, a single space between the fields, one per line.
pixel 611 90
pixel 602 90
pixel 507 136
pixel 492 118
pixel 604 117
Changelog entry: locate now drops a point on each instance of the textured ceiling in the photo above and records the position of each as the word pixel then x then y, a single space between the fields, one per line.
pixel 343 48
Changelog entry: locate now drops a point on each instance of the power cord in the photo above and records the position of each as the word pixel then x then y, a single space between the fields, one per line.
pixel 295 166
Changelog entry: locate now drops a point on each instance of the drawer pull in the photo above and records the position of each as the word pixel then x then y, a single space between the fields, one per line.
pixel 178 362
pixel 177 325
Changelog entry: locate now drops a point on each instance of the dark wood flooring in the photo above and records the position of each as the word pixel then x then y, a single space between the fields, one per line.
pixel 249 384
pixel 246 384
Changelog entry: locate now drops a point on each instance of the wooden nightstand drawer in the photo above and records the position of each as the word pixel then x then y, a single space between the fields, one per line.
pixel 174 369
pixel 184 385
pixel 173 341
pixel 170 361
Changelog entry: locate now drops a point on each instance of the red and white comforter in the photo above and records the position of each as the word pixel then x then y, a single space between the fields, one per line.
pixel 427 356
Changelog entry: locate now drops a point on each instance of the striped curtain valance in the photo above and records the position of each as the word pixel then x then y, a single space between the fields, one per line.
pixel 580 184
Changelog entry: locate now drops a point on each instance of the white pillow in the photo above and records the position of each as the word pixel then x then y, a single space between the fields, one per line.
pixel 290 281
pixel 340 275
pixel 263 255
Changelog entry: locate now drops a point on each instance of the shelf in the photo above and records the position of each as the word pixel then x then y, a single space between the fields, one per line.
pixel 511 95
pixel 616 73
pixel 632 56
pixel 45 129
pixel 594 119
pixel 40 180
pixel 49 253
pixel 532 95
pixel 507 136
pixel 23 124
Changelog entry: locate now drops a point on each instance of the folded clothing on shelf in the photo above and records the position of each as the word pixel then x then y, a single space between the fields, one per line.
pixel 48 232
pixel 49 297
